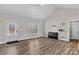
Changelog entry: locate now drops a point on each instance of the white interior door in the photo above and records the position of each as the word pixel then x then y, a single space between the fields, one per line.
pixel 11 32
pixel 74 30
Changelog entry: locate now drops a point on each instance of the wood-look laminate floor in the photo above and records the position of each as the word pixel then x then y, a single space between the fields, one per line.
pixel 41 46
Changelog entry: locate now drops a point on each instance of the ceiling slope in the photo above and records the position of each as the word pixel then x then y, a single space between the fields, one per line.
pixel 37 11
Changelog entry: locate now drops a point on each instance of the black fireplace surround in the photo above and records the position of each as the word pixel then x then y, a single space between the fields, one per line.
pixel 53 35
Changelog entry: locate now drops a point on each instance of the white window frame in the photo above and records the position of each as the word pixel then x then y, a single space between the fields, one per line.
pixel 37 28
pixel 8 29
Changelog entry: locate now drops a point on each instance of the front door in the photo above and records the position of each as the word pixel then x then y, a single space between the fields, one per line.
pixel 11 32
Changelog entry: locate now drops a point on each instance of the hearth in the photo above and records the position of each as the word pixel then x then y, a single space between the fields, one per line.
pixel 53 35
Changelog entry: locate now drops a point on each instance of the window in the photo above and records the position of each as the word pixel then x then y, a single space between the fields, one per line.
pixel 33 28
pixel 11 28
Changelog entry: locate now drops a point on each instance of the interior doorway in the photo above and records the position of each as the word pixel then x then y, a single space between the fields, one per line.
pixel 74 30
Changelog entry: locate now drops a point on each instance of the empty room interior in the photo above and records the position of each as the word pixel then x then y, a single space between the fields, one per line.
pixel 39 29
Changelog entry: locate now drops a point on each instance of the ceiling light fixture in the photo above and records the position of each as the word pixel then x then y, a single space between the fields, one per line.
pixel 42 4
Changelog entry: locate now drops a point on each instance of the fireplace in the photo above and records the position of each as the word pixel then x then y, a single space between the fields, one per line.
pixel 53 35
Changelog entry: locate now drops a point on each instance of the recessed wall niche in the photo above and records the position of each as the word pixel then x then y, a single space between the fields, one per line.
pixel 53 26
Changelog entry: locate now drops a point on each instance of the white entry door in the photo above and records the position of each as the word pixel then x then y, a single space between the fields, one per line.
pixel 11 32
pixel 75 30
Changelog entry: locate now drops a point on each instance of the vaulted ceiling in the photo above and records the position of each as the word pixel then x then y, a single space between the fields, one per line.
pixel 36 11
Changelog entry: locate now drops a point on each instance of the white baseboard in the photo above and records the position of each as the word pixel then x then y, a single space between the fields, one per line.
pixel 2 42
pixel 63 39
pixel 30 37
pixel 24 38
pixel 45 36
pixel 34 37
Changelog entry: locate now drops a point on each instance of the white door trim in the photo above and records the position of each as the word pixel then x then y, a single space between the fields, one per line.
pixel 72 20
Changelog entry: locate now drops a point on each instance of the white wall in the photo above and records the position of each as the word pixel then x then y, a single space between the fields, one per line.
pixel 22 26
pixel 59 16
